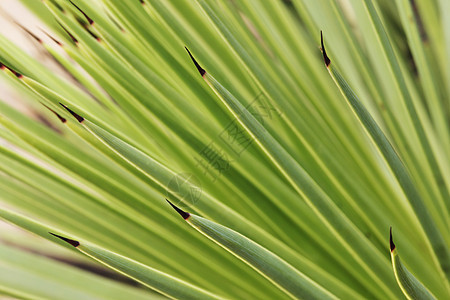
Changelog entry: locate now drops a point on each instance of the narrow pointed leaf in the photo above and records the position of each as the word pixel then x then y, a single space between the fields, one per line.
pixel 412 288
pixel 152 278
pixel 21 276
pixel 209 205
pixel 396 165
pixel 369 258
pixel 271 266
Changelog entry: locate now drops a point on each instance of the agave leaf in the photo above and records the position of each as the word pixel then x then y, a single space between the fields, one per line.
pixel 164 283
pixel 21 277
pixel 443 8
pixel 271 266
pixel 430 79
pixel 431 83
pixel 311 187
pixel 158 172
pixel 410 122
pixel 305 186
pixel 152 278
pixel 400 171
pixel 412 288
pixel 193 259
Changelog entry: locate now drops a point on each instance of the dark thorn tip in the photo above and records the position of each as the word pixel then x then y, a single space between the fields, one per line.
pixel 84 14
pixel 183 214
pixel 51 37
pixel 68 33
pixel 29 32
pixel 391 242
pixel 72 242
pixel 77 116
pixel 200 69
pixel 63 120
pixel 4 67
pixel 325 56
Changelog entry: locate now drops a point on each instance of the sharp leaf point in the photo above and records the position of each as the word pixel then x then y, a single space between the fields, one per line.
pixel 183 214
pixel 200 69
pixel 77 116
pixel 90 21
pixel 324 52
pixel 391 242
pixel 63 120
pixel 72 242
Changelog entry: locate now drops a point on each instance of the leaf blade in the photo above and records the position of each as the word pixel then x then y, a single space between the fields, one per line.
pixel 271 266
pixel 148 276
pixel 412 288
pixel 396 165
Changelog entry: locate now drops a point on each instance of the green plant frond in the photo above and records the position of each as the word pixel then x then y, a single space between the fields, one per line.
pixel 411 287
pixel 303 171
pixel 22 277
pixel 398 168
pixel 148 276
pixel 286 277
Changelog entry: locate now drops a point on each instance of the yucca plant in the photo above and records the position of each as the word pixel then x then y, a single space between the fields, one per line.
pixel 289 157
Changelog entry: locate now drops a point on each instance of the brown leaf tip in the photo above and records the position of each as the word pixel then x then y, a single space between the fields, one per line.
pixel 5 67
pixel 72 242
pixel 84 14
pixel 183 214
pixel 58 115
pixel 391 242
pixel 51 37
pixel 325 56
pixel 18 75
pixel 29 32
pixel 77 116
pixel 200 69
pixel 74 40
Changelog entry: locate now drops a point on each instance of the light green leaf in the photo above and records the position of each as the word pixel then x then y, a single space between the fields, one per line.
pixel 21 277
pixel 278 158
pixel 160 173
pixel 321 204
pixel 396 165
pixel 412 288
pixel 152 278
pixel 271 266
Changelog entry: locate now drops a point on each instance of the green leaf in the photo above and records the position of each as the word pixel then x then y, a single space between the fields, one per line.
pixel 22 277
pixel 412 288
pixel 348 235
pixel 209 206
pixel 396 165
pixel 152 278
pixel 271 266
pixel 312 188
